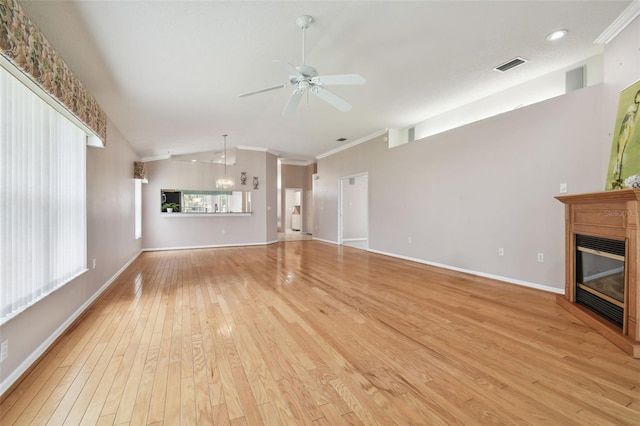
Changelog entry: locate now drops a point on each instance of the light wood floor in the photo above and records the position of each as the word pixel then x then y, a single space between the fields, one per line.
pixel 305 332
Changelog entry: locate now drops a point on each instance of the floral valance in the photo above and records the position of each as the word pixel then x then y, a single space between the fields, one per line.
pixel 22 44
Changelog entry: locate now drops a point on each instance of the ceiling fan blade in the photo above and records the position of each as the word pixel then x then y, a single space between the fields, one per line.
pixel 289 68
pixel 341 79
pixel 268 89
pixel 332 99
pixel 292 105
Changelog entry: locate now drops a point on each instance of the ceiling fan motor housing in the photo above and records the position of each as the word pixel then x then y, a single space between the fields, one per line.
pixel 307 71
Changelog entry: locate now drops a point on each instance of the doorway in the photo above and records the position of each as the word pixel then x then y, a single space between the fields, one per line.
pixel 292 218
pixel 353 214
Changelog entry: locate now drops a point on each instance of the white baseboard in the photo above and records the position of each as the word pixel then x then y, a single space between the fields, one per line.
pixel 353 239
pixel 40 350
pixel 325 241
pixel 209 246
pixel 477 273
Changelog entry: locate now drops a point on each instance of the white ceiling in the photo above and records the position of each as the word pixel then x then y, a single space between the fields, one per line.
pixel 168 73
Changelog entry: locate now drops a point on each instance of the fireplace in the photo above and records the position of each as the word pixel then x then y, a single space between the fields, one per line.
pixel 600 276
pixel 602 264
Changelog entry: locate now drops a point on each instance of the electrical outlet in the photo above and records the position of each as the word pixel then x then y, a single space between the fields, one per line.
pixel 563 188
pixel 409 240
pixel 500 251
pixel 4 350
pixel 540 257
pixel 224 231
pixel 94 263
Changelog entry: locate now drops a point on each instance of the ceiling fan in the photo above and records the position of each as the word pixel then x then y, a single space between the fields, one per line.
pixel 305 80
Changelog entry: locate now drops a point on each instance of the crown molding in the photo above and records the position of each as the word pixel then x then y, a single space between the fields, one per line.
pixel 352 144
pixel 258 148
pixel 156 158
pixel 295 162
pixel 620 23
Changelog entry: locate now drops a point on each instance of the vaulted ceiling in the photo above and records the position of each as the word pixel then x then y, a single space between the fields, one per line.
pixel 168 73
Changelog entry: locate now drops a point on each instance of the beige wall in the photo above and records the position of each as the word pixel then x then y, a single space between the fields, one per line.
pixel 165 232
pixel 463 194
pixel 271 187
pixel 110 231
pixel 355 218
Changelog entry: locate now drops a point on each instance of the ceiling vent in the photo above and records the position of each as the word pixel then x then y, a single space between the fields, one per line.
pixel 510 64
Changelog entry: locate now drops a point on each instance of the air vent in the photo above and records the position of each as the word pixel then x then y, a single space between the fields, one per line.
pixel 341 139
pixel 510 64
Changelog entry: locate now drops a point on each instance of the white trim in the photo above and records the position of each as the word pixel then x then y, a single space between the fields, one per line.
pixel 620 23
pixel 239 147
pixel 258 148
pixel 92 139
pixel 324 241
pixel 352 144
pixel 295 162
pixel 469 271
pixel 355 175
pixel 353 239
pixel 156 158
pixel 183 215
pixel 208 246
pixel 252 148
pixel 44 346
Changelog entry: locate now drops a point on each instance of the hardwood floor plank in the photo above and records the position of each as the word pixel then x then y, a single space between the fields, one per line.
pixel 158 400
pixel 38 402
pixel 204 414
pixel 220 415
pixel 93 411
pixel 17 402
pixel 311 333
pixel 135 376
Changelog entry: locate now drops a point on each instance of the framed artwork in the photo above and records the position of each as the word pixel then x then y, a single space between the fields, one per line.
pixel 624 165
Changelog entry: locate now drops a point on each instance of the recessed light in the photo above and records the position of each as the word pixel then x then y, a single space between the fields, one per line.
pixel 193 161
pixel 556 35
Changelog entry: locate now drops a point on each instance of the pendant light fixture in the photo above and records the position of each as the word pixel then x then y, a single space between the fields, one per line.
pixel 225 182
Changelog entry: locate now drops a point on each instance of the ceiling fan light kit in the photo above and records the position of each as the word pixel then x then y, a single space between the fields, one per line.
pixel 305 79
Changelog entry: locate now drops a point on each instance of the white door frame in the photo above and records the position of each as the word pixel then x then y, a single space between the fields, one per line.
pixel 341 202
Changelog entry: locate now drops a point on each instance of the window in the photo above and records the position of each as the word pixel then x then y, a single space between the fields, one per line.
pixel 43 230
pixel 202 201
pixel 138 207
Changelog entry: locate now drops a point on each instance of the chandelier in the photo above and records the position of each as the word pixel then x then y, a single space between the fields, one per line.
pixel 225 182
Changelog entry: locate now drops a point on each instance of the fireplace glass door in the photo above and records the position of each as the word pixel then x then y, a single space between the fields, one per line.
pixel 600 277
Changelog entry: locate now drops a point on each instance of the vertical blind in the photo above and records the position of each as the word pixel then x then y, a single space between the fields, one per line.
pixel 43 231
